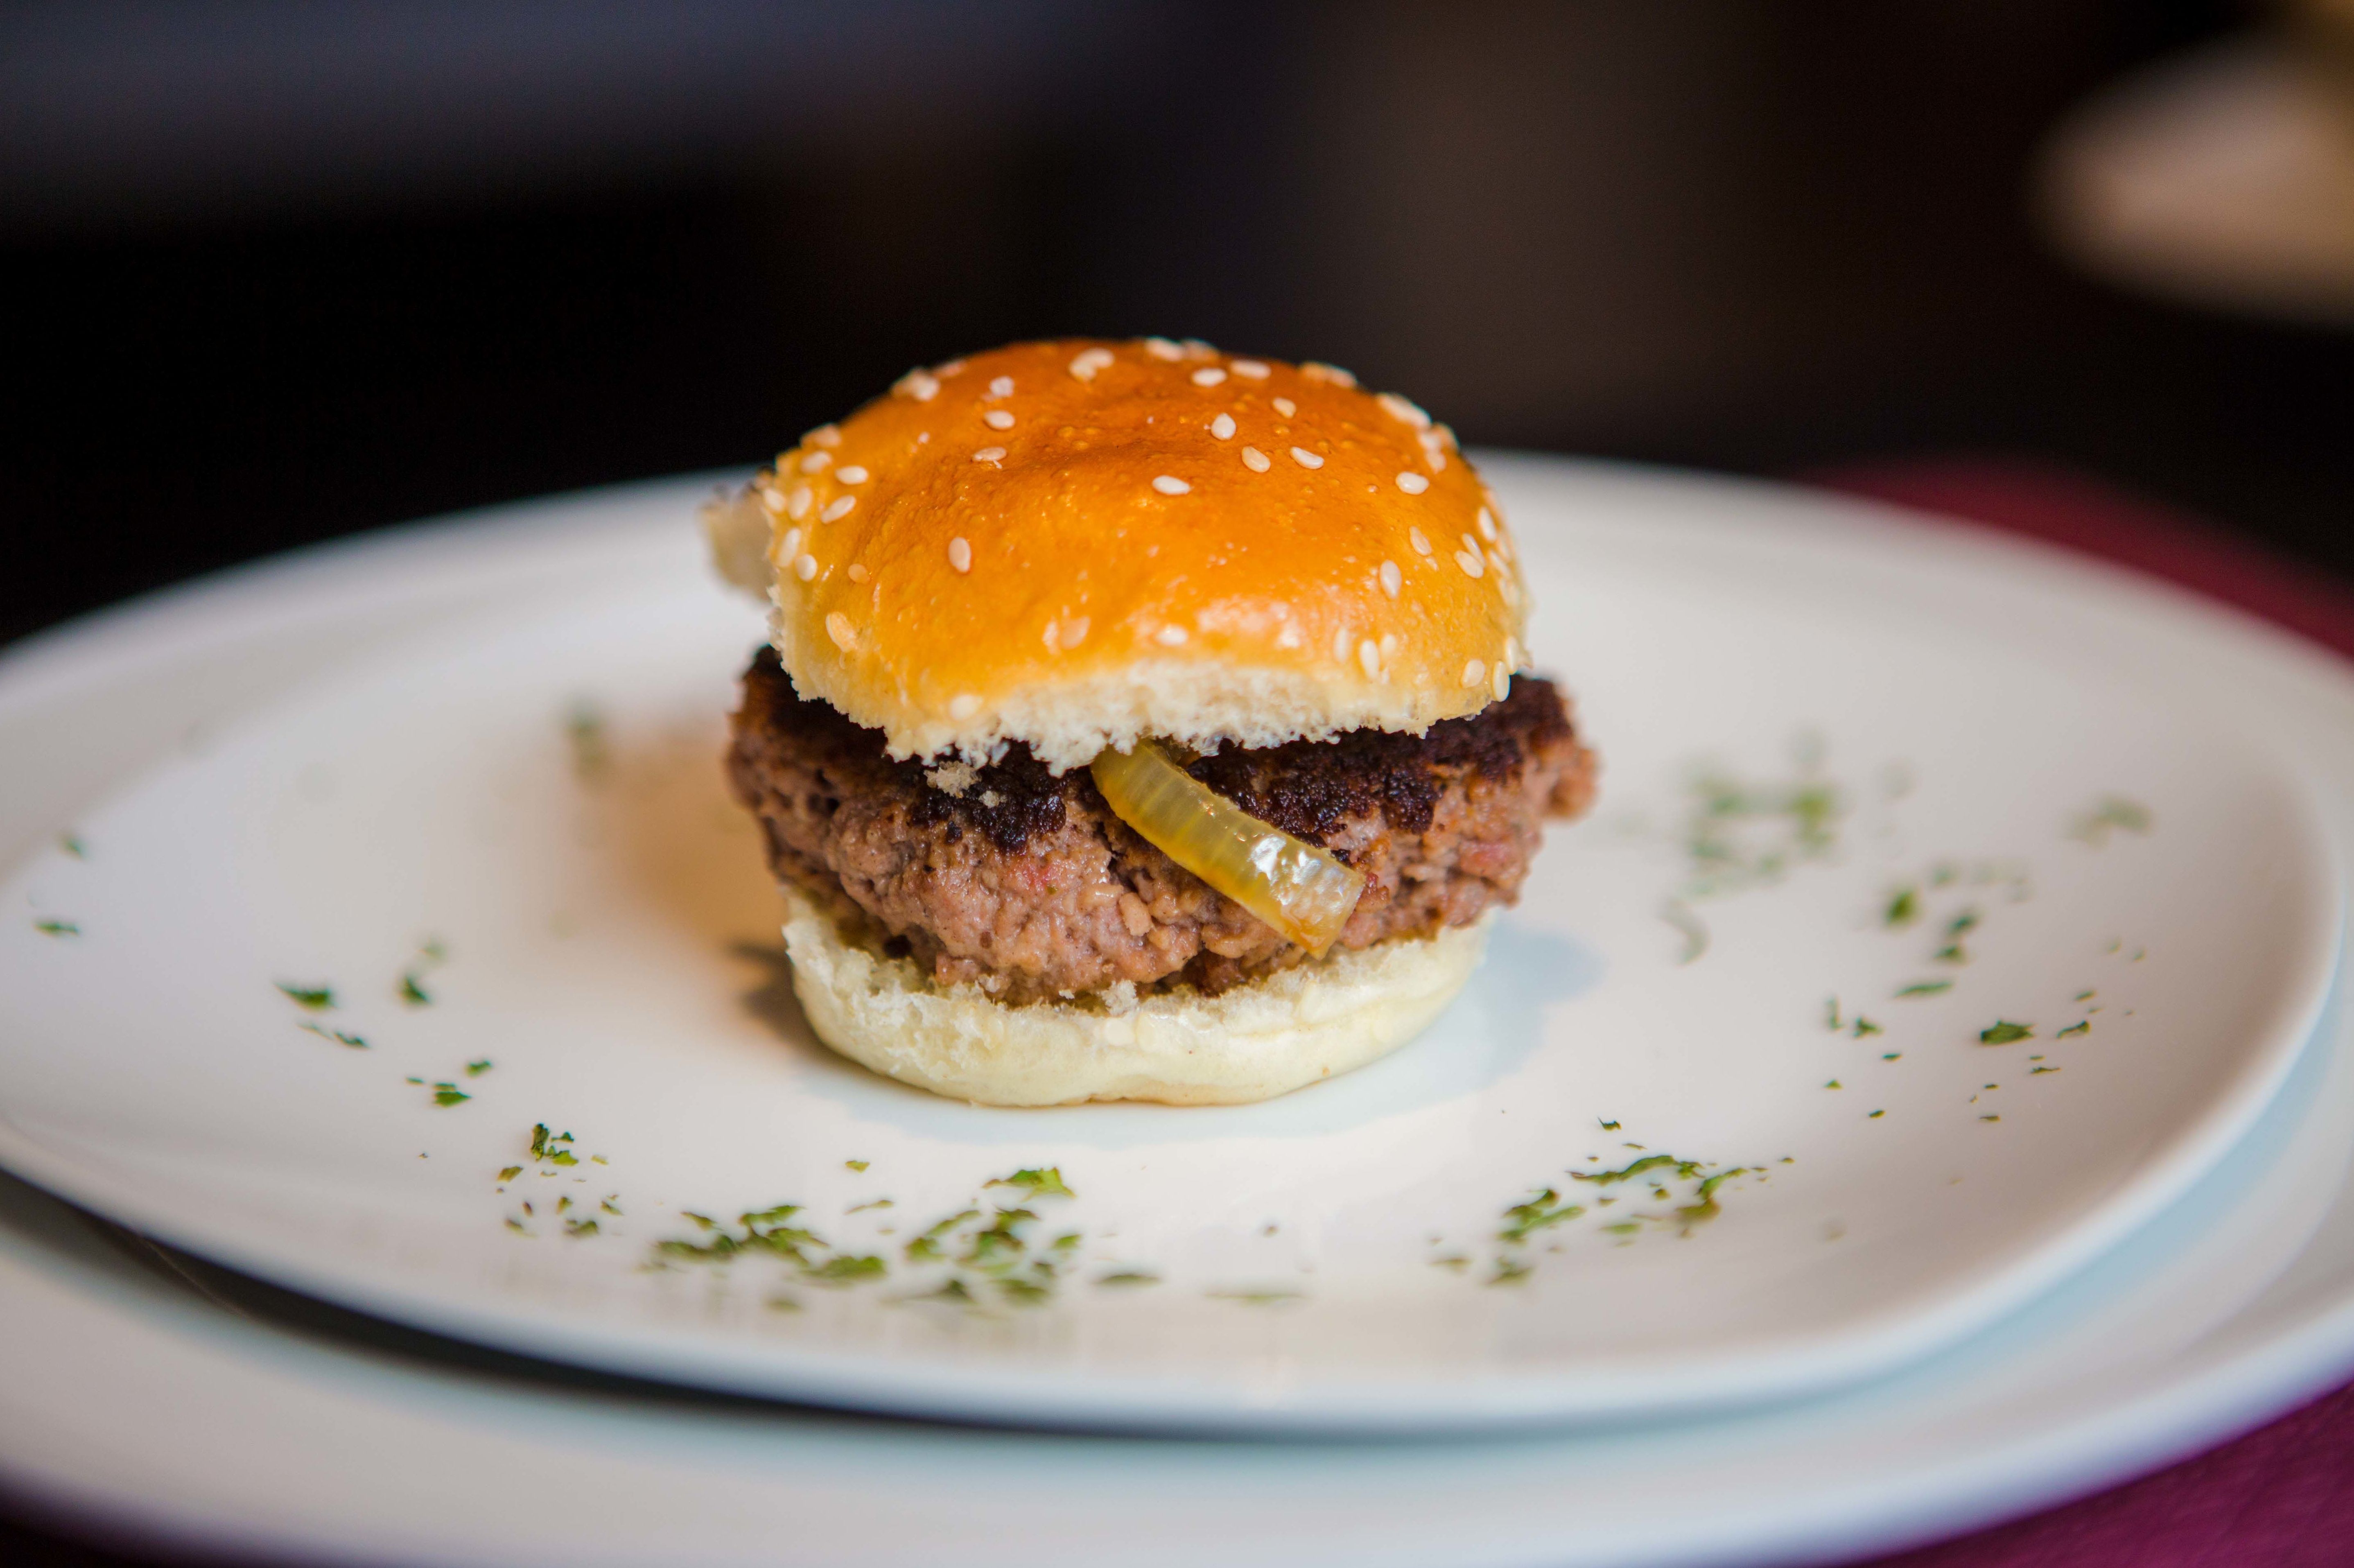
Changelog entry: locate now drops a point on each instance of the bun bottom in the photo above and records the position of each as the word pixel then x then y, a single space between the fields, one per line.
pixel 1254 1041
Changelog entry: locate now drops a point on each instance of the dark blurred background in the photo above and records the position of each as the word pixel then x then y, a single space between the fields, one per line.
pixel 277 271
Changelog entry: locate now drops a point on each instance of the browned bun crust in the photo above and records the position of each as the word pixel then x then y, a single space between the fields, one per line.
pixel 1067 544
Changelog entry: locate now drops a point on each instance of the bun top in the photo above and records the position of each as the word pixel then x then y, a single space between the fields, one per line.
pixel 1077 544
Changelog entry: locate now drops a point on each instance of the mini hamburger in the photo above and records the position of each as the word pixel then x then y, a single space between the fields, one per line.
pixel 1138 721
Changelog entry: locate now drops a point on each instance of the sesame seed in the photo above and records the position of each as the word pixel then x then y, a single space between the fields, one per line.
pixel 1413 484
pixel 1436 459
pixel 1486 527
pixel 1398 407
pixel 1170 484
pixel 989 454
pixel 1495 563
pixel 1208 375
pixel 1305 457
pixel 1001 387
pixel 1223 427
pixel 851 475
pixel 997 420
pixel 1074 631
pixel 791 546
pixel 961 554
pixel 1288 637
pixel 797 505
pixel 1256 460
pixel 815 461
pixel 1196 349
pixel 1390 644
pixel 844 635
pixel 1502 685
pixel 1316 371
pixel 823 436
pixel 1469 562
pixel 1420 540
pixel 1161 348
pixel 1340 646
pixel 1474 673
pixel 1090 361
pixel 963 706
pixel 947 367
pixel 920 385
pixel 1369 657
pixel 1392 578
pixel 774 500
pixel 1286 407
pixel 1440 435
pixel 805 566
pixel 1253 369
pixel 837 509
pixel 1170 636
pixel 858 572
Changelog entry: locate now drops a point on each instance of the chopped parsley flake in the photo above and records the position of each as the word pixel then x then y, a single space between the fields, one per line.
pixel 1833 1084
pixel 450 1095
pixel 1510 1271
pixel 584 727
pixel 476 1069
pixel 1890 1056
pixel 308 998
pixel 1902 909
pixel 1609 1126
pixel 578 1228
pixel 1129 1276
pixel 1875 1114
pixel 1255 1297
pixel 853 1165
pixel 1648 1162
pixel 413 993
pixel 1832 1020
pixel 57 928
pixel 1044 1182
pixel 1927 987
pixel 341 1037
pixel 2046 1068
pixel 2083 1026
pixel 1540 1213
pixel 1864 1026
pixel 73 846
pixel 1990 1119
pixel 2004 1033
pixel 2112 814
pixel 509 1172
pixel 870 1203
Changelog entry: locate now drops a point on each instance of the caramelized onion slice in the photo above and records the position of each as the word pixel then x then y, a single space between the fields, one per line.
pixel 1302 891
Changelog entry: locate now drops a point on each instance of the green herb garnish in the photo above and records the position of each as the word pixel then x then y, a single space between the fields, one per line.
pixel 1045 1181
pixel 1128 1276
pixel 57 928
pixel 1902 909
pixel 1540 1213
pixel 2113 813
pixel 2004 1033
pixel 476 1069
pixel 450 1095
pixel 73 846
pixel 853 1165
pixel 1927 987
pixel 1864 1026
pixel 2083 1026
pixel 509 1172
pixel 309 998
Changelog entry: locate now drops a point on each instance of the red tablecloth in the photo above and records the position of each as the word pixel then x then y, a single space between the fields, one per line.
pixel 2283 1495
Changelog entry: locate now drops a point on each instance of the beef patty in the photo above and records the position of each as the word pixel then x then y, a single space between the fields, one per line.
pixel 1028 886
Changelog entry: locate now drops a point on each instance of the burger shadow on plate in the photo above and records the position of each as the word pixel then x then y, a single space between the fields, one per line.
pixel 1481 1038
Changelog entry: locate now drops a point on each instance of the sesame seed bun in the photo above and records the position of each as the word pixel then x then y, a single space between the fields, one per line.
pixel 1077 544
pixel 1277 1034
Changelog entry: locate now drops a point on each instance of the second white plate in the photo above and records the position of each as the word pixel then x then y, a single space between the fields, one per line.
pixel 1930 951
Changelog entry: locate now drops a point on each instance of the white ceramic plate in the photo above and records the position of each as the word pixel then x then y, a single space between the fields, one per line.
pixel 522 819
pixel 151 1410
